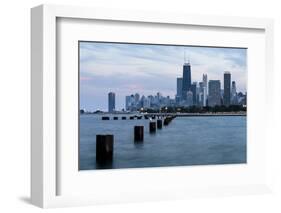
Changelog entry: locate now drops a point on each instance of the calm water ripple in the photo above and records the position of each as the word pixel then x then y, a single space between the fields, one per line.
pixel 185 141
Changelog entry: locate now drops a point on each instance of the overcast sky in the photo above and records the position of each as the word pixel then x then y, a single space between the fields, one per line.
pixel 147 69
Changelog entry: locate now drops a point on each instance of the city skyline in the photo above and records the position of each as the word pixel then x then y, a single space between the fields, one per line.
pixel 196 94
pixel 147 69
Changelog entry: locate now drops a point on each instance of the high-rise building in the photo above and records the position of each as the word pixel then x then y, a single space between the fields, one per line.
pixel 205 82
pixel 242 99
pixel 234 99
pixel 177 99
pixel 214 97
pixel 128 102
pixel 193 89
pixel 201 93
pixel 137 98
pixel 151 99
pixel 205 89
pixel 146 103
pixel 226 88
pixel 179 87
pixel 186 79
pixel 189 98
pixel 133 102
pixel 142 99
pixel 111 102
pixel 201 86
pixel 233 88
pixel 158 98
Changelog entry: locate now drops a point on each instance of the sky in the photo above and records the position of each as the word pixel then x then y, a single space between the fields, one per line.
pixel 127 69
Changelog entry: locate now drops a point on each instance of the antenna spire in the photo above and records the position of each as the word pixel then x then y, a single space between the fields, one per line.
pixel 188 62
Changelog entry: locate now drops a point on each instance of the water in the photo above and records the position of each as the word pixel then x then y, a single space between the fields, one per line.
pixel 185 141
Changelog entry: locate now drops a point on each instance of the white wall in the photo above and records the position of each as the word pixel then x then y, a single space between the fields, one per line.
pixel 15 98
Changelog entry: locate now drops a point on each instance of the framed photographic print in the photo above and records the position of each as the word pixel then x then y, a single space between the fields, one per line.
pixel 130 93
pixel 148 105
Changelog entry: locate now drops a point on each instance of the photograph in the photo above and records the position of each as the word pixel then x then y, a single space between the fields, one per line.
pixel 161 105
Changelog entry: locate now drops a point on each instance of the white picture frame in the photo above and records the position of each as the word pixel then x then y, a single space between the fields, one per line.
pixel 44 84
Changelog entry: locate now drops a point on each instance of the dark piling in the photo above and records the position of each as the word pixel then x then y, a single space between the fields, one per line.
pixel 152 127
pixel 159 124
pixel 138 133
pixel 104 148
pixel 105 118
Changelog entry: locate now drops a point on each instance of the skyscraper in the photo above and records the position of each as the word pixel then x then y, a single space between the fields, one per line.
pixel 133 102
pixel 234 99
pixel 205 81
pixel 158 98
pixel 201 93
pixel 226 88
pixel 111 102
pixel 205 89
pixel 137 98
pixel 214 97
pixel 233 88
pixel 189 98
pixel 179 87
pixel 146 103
pixel 127 102
pixel 186 79
pixel 193 89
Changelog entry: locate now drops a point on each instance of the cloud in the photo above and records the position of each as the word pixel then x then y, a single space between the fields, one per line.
pixel 147 69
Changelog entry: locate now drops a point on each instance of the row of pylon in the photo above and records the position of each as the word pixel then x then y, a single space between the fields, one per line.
pixel 132 117
pixel 105 143
pixel 153 125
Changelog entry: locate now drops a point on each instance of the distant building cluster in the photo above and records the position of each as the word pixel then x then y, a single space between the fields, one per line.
pixel 135 102
pixel 202 94
pixel 207 93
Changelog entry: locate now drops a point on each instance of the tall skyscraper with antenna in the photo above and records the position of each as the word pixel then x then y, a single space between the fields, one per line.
pixel 186 78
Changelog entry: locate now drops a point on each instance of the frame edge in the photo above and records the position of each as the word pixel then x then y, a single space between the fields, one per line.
pixel 37 106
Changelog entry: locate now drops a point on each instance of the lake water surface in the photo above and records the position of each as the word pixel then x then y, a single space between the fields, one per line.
pixel 185 141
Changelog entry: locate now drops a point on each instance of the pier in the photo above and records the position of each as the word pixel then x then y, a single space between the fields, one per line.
pixel 165 115
pixel 210 114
